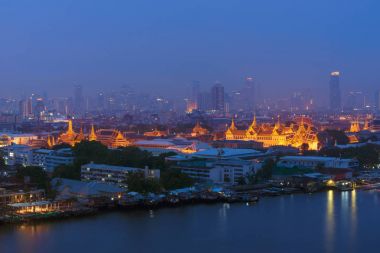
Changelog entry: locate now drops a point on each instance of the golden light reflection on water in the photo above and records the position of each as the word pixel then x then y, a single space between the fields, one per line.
pixel 353 215
pixel 330 222
pixel 30 236
pixel 348 201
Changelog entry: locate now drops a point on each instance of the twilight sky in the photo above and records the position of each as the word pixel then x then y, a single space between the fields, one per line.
pixel 162 45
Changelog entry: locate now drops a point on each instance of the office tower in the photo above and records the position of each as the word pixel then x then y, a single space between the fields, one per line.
pixel 217 97
pixel 39 107
pixel 355 100
pixel 195 91
pixel 301 101
pixel 78 99
pixel 335 104
pixel 100 101
pixel 249 94
pixel 236 100
pixel 376 103
pixel 204 101
pixel 25 108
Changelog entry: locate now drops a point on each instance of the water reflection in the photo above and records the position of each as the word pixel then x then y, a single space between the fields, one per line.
pixel 353 216
pixel 29 236
pixel 151 214
pixel 330 222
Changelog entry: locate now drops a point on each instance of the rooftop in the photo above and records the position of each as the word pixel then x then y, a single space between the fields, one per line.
pixel 109 167
pixel 313 158
pixel 226 152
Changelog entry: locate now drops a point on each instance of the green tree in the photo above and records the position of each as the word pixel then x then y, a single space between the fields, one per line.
pixel 36 176
pixel 67 171
pixel 266 170
pixel 241 181
pixel 60 146
pixel 90 151
pixel 137 183
pixel 2 163
pixel 337 136
pixel 173 179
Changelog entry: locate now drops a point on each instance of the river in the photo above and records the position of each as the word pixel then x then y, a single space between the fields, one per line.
pixel 321 222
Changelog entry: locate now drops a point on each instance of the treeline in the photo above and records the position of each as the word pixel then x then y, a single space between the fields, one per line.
pixel 170 179
pixel 93 151
pixel 367 155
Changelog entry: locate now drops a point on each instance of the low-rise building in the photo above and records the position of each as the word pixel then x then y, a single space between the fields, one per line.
pixel 313 162
pixel 177 145
pixel 17 155
pixel 58 157
pixel 39 156
pixel 113 174
pixel 7 139
pixel 44 158
pixel 217 171
pixel 11 197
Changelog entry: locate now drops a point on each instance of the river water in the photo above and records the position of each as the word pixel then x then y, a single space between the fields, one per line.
pixel 321 222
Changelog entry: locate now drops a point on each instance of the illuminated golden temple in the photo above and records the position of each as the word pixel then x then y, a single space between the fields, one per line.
pixel 295 135
pixel 70 136
pixel 198 130
pixel 111 138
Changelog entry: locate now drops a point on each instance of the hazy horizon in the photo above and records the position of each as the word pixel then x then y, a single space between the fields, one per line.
pixel 161 46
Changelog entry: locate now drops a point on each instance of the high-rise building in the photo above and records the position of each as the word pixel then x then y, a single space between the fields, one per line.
pixel 217 97
pixel 39 107
pixel 377 100
pixel 204 101
pixel 249 94
pixel 355 100
pixel 335 93
pixel 195 91
pixel 26 108
pixel 78 99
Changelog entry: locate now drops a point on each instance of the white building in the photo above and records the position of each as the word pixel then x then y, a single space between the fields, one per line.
pixel 218 153
pixel 113 174
pixel 217 171
pixel 7 139
pixel 44 158
pixel 312 162
pixel 177 145
pixel 17 155
pixel 58 157
pixel 39 157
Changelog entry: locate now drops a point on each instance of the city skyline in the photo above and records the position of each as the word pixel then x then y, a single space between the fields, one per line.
pixel 161 50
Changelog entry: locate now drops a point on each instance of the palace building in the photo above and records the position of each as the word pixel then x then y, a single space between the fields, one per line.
pixel 70 136
pixel 198 130
pixel 111 138
pixel 295 134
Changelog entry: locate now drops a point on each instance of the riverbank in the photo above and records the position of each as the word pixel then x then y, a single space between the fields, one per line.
pixel 330 221
pixel 152 201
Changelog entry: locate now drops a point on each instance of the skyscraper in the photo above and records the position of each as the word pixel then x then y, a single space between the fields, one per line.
pixel 195 90
pixel 26 108
pixel 78 99
pixel 335 104
pixel 217 97
pixel 249 94
pixel 377 100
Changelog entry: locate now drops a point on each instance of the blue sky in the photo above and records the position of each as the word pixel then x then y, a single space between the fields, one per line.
pixel 161 46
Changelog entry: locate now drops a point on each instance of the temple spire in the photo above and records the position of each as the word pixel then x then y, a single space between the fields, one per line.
pixel 366 124
pixel 49 144
pixel 232 127
pixel 92 136
pixel 278 123
pixel 254 122
pixel 70 127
